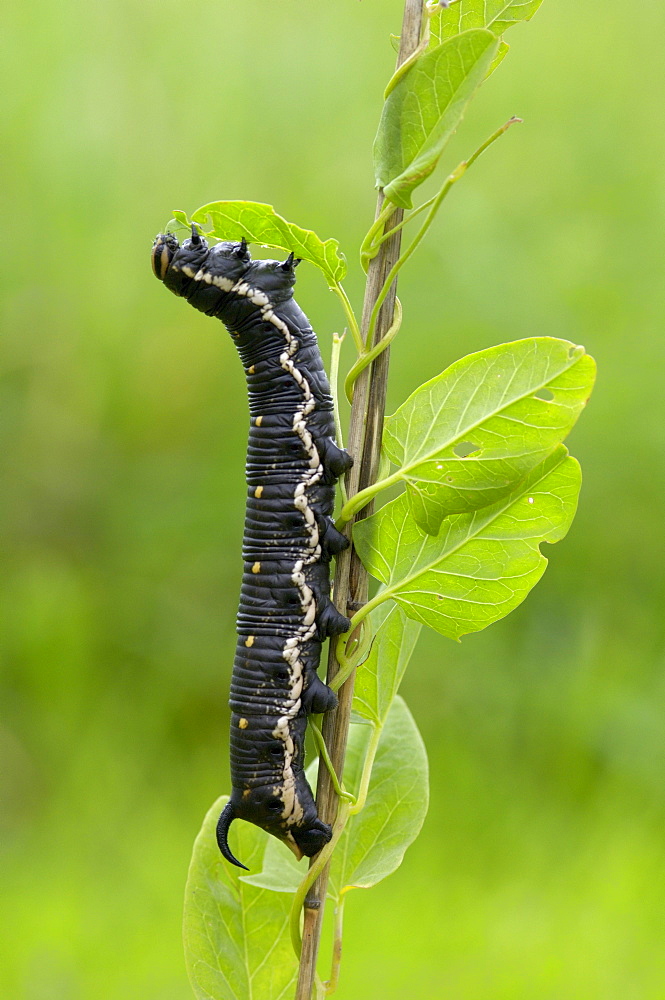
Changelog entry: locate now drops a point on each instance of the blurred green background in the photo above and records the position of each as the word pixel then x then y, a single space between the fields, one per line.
pixel 540 869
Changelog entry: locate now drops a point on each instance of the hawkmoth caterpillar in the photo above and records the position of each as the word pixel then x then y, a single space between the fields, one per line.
pixel 293 463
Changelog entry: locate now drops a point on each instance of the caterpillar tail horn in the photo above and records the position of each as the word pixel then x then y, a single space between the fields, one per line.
pixel 225 820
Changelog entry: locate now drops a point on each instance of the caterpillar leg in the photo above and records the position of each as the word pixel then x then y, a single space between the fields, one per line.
pixel 335 459
pixel 317 697
pixel 332 541
pixel 329 620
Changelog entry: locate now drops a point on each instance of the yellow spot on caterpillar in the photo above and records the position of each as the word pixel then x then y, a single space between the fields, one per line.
pixel 247 793
pixel 250 370
pixel 259 421
pixel 243 723
pixel 256 568
pixel 249 641
pixel 258 492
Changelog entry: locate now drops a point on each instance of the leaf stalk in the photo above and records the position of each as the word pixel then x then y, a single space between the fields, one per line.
pixel 350 315
pixel 359 804
pixel 435 204
pixel 318 865
pixel 361 499
pixel 323 753
pixel 369 248
pixel 337 342
pixel 366 357
pixel 332 983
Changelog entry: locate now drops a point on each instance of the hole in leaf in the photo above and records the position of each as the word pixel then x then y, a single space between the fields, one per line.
pixel 465 448
pixel 545 394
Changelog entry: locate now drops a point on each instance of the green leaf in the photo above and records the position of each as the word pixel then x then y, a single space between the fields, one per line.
pixel 501 54
pixel 375 840
pixel 497 15
pixel 237 944
pixel 424 108
pixel 258 223
pixel 481 565
pixel 178 223
pixel 464 439
pixel 280 871
pixel 379 678
pixel 428 506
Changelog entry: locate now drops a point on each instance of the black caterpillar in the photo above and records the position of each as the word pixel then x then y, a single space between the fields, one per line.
pixel 293 464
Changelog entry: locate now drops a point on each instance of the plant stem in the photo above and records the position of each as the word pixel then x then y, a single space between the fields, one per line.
pixel 350 315
pixel 371 246
pixel 319 864
pixel 360 500
pixel 367 357
pixel 375 230
pixel 367 769
pixel 399 263
pixel 323 752
pixel 350 588
pixel 334 391
pixel 331 985
pixel 452 179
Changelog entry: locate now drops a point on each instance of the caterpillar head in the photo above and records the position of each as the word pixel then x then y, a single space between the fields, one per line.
pixel 264 808
pixel 176 263
pixel 164 249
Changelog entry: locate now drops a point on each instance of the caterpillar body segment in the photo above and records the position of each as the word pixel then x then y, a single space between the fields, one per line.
pixel 293 463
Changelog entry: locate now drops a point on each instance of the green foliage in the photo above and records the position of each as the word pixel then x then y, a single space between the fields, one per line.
pixel 481 565
pixel 501 54
pixel 462 440
pixel 497 15
pixel 374 841
pixel 423 109
pixel 258 223
pixel 377 682
pixel 236 936
pixel 428 95
pixel 377 837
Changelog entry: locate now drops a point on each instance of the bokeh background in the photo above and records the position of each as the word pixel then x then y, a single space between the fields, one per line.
pixel 539 872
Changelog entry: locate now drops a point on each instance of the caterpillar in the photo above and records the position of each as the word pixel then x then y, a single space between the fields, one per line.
pixel 285 611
